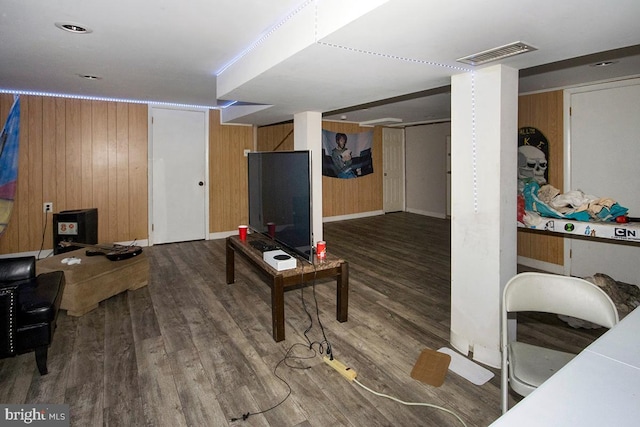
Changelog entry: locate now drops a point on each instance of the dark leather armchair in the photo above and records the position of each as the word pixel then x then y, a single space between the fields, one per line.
pixel 29 308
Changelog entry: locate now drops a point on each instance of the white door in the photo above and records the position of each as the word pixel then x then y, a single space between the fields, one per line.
pixel 393 169
pixel 604 156
pixel 179 172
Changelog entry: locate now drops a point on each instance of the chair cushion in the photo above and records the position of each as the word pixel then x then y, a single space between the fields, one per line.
pixel 532 365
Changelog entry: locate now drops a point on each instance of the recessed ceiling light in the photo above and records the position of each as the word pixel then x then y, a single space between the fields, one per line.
pixel 73 28
pixel 603 63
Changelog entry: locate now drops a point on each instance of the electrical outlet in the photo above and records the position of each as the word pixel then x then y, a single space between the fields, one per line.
pixel 47 207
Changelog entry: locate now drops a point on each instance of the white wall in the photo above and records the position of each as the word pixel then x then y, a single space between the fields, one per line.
pixel 426 169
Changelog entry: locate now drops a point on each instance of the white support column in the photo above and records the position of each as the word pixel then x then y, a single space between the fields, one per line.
pixel 307 135
pixel 484 141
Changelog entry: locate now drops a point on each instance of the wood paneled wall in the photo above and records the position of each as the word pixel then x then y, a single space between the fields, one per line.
pixel 339 196
pixel 544 111
pixel 275 138
pixel 78 154
pixel 228 198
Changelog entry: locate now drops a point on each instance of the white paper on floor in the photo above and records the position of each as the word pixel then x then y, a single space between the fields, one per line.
pixel 466 368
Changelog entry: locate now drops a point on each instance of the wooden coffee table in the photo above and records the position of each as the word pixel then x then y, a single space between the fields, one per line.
pixel 281 281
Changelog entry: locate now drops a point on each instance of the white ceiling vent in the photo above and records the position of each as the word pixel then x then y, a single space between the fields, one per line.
pixel 497 53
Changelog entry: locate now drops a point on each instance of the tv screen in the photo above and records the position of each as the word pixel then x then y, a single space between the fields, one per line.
pixel 280 199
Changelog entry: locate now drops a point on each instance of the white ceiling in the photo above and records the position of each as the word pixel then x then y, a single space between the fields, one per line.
pixel 294 55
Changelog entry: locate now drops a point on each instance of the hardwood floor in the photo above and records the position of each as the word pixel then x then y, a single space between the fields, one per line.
pixel 191 350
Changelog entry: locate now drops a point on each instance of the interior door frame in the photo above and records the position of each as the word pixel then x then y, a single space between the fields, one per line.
pixel 207 234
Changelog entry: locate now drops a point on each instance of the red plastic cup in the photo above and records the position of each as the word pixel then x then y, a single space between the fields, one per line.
pixel 321 249
pixel 242 231
pixel 272 229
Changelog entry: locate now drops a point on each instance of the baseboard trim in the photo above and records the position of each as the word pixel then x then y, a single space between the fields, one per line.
pixel 225 234
pixel 427 213
pixel 541 265
pixel 222 234
pixel 352 216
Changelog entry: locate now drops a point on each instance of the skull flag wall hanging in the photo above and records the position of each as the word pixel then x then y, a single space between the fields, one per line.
pixel 533 155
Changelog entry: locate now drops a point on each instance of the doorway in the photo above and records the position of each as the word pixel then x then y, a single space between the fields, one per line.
pixel 179 153
pixel 393 169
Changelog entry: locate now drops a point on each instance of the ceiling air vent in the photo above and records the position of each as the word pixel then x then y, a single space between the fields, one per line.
pixel 497 53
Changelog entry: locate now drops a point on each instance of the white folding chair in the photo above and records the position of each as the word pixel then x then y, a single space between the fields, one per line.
pixel 526 366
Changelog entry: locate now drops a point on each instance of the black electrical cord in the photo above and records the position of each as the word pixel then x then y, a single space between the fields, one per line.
pixel 304 306
pixel 309 346
pixel 306 331
pixel 325 342
pixel 44 230
pixel 284 360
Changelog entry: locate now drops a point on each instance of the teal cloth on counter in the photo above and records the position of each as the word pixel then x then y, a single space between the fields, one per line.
pixel 533 204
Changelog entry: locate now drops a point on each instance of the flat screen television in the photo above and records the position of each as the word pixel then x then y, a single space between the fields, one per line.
pixel 280 203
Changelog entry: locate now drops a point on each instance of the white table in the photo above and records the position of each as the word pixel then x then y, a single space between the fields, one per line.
pixel 599 387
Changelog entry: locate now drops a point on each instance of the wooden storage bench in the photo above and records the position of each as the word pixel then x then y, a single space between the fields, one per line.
pixel 95 279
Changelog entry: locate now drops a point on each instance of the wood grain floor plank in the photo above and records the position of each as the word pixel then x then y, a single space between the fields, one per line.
pixel 16 376
pixel 197 395
pixel 158 391
pixel 85 383
pixel 121 391
pixel 144 322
